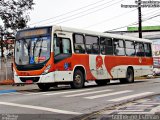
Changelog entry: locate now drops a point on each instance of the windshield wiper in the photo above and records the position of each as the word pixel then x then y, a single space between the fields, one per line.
pixel 40 48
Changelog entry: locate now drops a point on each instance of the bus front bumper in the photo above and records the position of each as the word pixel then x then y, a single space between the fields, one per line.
pixel 47 78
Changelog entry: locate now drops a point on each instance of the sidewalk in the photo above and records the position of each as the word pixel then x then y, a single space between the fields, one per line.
pixel 19 88
pixel 6 73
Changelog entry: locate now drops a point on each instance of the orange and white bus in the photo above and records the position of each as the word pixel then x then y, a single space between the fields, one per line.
pixel 55 55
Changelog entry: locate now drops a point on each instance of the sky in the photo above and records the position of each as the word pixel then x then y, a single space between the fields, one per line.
pixel 95 15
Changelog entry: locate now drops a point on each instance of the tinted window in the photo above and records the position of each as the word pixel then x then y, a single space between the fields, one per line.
pixel 92 44
pixel 147 48
pixel 106 46
pixel 119 47
pixel 130 49
pixel 79 43
pixel 139 49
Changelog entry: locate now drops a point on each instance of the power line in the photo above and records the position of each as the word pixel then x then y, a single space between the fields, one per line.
pixel 135 23
pixel 153 14
pixel 115 17
pixel 120 16
pixel 71 11
pixel 85 14
pixel 150 12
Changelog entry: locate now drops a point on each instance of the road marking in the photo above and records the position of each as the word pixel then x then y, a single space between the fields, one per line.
pixel 108 94
pixel 57 93
pixel 86 93
pixel 152 103
pixel 13 93
pixel 35 93
pixel 39 108
pixel 133 113
pixel 130 96
pixel 129 110
pixel 7 91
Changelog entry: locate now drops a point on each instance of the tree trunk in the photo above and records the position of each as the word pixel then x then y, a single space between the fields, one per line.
pixel 2 45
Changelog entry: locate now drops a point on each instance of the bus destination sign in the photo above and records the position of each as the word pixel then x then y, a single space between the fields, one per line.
pixel 34 32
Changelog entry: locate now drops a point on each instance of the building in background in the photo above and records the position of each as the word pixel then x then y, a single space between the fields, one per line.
pixel 148 32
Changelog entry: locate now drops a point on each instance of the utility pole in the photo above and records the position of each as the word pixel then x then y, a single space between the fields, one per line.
pixel 139 19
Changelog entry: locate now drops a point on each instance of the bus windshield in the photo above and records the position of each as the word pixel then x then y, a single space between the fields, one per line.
pixel 32 50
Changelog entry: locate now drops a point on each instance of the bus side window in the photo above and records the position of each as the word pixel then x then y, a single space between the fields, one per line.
pixel 130 48
pixel 106 46
pixel 148 51
pixel 79 43
pixel 92 44
pixel 119 47
pixel 139 49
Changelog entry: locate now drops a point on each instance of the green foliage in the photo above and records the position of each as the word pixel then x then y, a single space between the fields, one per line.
pixel 14 13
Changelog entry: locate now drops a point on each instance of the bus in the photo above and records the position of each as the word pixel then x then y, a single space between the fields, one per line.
pixel 52 55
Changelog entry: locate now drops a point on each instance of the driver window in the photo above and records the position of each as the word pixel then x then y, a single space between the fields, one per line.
pixel 63 46
pixel 66 45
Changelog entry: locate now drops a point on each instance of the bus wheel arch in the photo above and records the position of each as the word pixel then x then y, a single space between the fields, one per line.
pixel 78 78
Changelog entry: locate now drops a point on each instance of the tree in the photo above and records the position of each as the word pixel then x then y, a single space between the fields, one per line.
pixel 14 15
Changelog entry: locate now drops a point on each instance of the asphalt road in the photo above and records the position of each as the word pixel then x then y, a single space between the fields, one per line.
pixel 65 103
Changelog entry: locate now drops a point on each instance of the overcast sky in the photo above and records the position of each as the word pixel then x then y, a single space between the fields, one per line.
pixel 97 15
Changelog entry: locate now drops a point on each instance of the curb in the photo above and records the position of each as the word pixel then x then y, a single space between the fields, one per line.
pixel 6 82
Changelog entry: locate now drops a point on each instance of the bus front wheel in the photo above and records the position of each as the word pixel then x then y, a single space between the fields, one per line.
pixel 43 86
pixel 78 80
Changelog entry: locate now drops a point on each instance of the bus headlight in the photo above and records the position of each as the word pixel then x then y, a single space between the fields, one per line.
pixel 46 70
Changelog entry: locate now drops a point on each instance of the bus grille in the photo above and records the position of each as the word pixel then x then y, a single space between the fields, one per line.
pixel 34 79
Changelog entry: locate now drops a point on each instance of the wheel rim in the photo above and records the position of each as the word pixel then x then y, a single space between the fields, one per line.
pixel 78 79
pixel 130 76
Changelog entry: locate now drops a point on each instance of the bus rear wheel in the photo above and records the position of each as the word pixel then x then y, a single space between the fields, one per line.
pixel 78 80
pixel 44 86
pixel 102 82
pixel 129 76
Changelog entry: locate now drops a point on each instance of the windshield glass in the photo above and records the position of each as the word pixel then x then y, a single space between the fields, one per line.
pixel 32 50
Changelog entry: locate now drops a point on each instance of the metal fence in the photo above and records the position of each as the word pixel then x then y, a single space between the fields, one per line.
pixel 6 72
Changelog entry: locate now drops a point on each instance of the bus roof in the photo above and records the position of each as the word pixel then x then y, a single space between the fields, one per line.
pixel 67 29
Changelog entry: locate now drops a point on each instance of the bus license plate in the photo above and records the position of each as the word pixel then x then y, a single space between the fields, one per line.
pixel 29 81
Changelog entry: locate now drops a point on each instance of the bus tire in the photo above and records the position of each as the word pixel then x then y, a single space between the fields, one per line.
pixel 129 76
pixel 44 86
pixel 78 80
pixel 102 82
